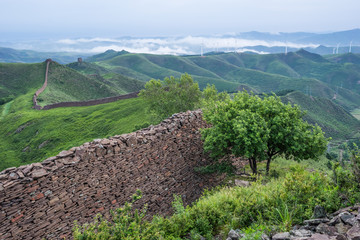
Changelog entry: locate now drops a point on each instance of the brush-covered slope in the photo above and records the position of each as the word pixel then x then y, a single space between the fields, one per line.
pixel 332 118
pixel 20 78
pixel 28 135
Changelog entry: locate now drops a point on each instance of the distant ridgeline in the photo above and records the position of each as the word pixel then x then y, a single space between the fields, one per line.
pixel 75 103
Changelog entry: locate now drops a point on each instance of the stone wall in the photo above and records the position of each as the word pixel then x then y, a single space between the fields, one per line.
pixel 75 104
pixel 40 90
pixel 91 102
pixel 42 200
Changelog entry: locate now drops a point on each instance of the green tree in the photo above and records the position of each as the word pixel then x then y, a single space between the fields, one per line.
pixel 171 96
pixel 260 129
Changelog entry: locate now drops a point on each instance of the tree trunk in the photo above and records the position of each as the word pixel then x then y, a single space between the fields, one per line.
pixel 253 166
pixel 268 166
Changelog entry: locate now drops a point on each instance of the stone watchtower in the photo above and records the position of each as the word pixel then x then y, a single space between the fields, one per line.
pixel 79 60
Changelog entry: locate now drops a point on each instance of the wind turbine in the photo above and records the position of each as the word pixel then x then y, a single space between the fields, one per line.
pixel 350 47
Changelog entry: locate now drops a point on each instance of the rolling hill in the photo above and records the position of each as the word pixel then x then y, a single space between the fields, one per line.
pixel 20 78
pixel 28 135
pixel 333 119
pixel 302 71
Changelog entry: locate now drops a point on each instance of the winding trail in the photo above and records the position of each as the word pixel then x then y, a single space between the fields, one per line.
pixel 79 103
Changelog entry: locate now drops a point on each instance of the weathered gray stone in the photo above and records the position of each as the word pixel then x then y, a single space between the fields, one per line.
pixel 265 237
pixel 326 229
pixel 301 233
pixel 39 173
pixel 341 228
pixel 242 183
pixel 346 217
pixel 281 236
pixel 316 221
pixel 4 176
pixel 233 235
pixel 13 176
pixel 334 220
pixel 318 236
pixel 27 169
pixel 20 174
pixel 353 233
pixel 65 154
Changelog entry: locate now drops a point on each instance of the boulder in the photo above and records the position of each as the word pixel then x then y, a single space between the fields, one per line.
pixel 281 236
pixel 353 233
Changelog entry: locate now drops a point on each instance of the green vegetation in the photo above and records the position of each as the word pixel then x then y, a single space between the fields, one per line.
pixel 333 119
pixel 302 71
pixel 269 204
pixel 260 129
pixel 356 113
pixel 66 84
pixel 20 78
pixel 28 135
pixel 170 96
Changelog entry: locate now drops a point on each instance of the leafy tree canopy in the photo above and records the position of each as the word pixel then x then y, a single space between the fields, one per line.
pixel 171 96
pixel 260 129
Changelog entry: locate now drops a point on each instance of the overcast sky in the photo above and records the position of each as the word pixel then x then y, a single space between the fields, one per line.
pixel 137 18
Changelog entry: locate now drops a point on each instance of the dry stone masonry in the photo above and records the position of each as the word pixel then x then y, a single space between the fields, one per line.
pixel 42 200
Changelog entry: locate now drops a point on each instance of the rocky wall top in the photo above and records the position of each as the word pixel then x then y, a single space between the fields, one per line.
pixel 42 200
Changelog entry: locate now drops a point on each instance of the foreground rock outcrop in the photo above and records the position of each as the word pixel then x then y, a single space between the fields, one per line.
pixel 341 225
pixel 42 200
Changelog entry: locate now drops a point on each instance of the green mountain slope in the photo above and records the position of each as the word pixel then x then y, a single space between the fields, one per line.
pixel 333 119
pixel 302 71
pixel 121 83
pixel 28 135
pixel 20 78
pixel 66 84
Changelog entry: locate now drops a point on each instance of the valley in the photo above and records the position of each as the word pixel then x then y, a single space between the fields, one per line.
pixel 325 87
pixel 308 80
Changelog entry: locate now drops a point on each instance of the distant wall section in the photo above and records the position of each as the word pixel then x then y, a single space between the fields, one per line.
pixel 79 103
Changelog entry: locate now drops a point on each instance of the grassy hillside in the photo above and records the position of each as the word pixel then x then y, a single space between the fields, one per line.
pixel 66 84
pixel 333 119
pixel 302 71
pixel 28 135
pixel 19 78
pixel 121 83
